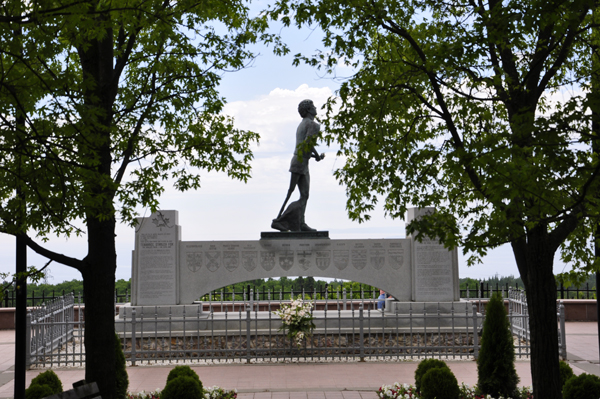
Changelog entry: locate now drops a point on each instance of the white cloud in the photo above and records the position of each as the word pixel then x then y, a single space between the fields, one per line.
pixel 275 115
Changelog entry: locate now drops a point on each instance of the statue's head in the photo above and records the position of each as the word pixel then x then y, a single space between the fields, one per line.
pixel 304 107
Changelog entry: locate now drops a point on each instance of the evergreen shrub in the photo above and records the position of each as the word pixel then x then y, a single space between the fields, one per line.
pixel 496 373
pixel 584 386
pixel 120 370
pixel 439 383
pixel 566 373
pixel 423 367
pixel 183 371
pixel 50 379
pixel 37 391
pixel 183 387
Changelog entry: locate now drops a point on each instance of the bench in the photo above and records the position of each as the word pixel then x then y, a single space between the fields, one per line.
pixel 80 390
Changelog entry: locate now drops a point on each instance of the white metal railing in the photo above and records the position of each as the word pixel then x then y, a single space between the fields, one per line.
pixel 245 335
pixel 242 331
pixel 518 313
pixel 51 327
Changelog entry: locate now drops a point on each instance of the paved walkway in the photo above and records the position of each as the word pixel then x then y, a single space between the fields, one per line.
pixel 339 380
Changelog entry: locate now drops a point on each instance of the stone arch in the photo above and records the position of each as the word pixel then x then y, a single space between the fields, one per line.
pixel 207 266
pixel 168 271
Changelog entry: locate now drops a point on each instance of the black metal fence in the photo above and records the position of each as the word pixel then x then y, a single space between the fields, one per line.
pixel 486 290
pixel 38 298
pixel 481 290
pixel 323 292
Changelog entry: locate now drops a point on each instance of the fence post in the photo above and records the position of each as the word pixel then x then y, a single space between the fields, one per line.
pixel 248 321
pixel 563 333
pixel 344 298
pixel 28 341
pixel 475 336
pixel 133 340
pixel 361 333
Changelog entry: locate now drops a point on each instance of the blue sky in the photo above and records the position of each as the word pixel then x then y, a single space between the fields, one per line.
pixel 263 98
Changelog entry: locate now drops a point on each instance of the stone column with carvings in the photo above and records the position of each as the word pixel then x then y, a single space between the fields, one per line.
pixel 435 268
pixel 154 278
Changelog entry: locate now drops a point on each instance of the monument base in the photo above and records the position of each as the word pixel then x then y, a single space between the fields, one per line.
pixel 161 318
pixel 273 235
pixel 401 317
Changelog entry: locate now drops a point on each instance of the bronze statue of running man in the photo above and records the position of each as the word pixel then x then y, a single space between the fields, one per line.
pixel 292 219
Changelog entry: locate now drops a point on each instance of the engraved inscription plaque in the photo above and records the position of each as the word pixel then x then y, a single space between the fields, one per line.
pixel 156 244
pixel 433 271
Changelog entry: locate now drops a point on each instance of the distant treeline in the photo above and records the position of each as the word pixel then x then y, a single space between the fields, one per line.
pixel 513 281
pixel 308 284
pixel 75 286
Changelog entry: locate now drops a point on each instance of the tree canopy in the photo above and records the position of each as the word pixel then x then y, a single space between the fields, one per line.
pixel 156 104
pixel 479 108
pixel 101 102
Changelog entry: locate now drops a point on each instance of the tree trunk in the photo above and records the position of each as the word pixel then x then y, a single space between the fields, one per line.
pixel 99 288
pixel 535 260
pixel 101 261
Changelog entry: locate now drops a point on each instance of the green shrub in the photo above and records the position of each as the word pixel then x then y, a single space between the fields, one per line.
pixel 566 372
pixel 424 367
pixel 183 387
pixel 439 383
pixel 50 379
pixel 584 386
pixel 120 370
pixel 496 373
pixel 183 371
pixel 37 391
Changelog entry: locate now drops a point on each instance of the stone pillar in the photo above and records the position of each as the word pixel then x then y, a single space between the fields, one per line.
pixel 155 279
pixel 434 268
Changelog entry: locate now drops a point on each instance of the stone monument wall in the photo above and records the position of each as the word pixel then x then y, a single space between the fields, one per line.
pixel 207 266
pixel 167 271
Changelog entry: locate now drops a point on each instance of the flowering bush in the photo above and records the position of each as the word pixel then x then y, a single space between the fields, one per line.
pixel 219 393
pixel 397 391
pixel 297 320
pixel 209 393
pixel 143 395
pixel 406 391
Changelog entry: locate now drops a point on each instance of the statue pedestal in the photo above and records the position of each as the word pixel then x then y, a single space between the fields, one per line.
pixel 274 235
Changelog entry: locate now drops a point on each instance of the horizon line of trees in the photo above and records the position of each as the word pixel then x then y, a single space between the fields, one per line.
pixel 285 284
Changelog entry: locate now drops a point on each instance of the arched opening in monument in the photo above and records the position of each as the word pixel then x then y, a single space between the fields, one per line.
pixel 286 287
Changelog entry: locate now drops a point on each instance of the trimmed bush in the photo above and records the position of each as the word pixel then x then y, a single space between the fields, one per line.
pixel 183 387
pixel 183 371
pixel 496 373
pixel 566 373
pixel 424 367
pixel 50 379
pixel 439 383
pixel 37 391
pixel 120 370
pixel 584 386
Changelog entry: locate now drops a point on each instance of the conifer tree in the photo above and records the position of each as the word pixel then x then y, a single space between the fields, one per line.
pixel 496 373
